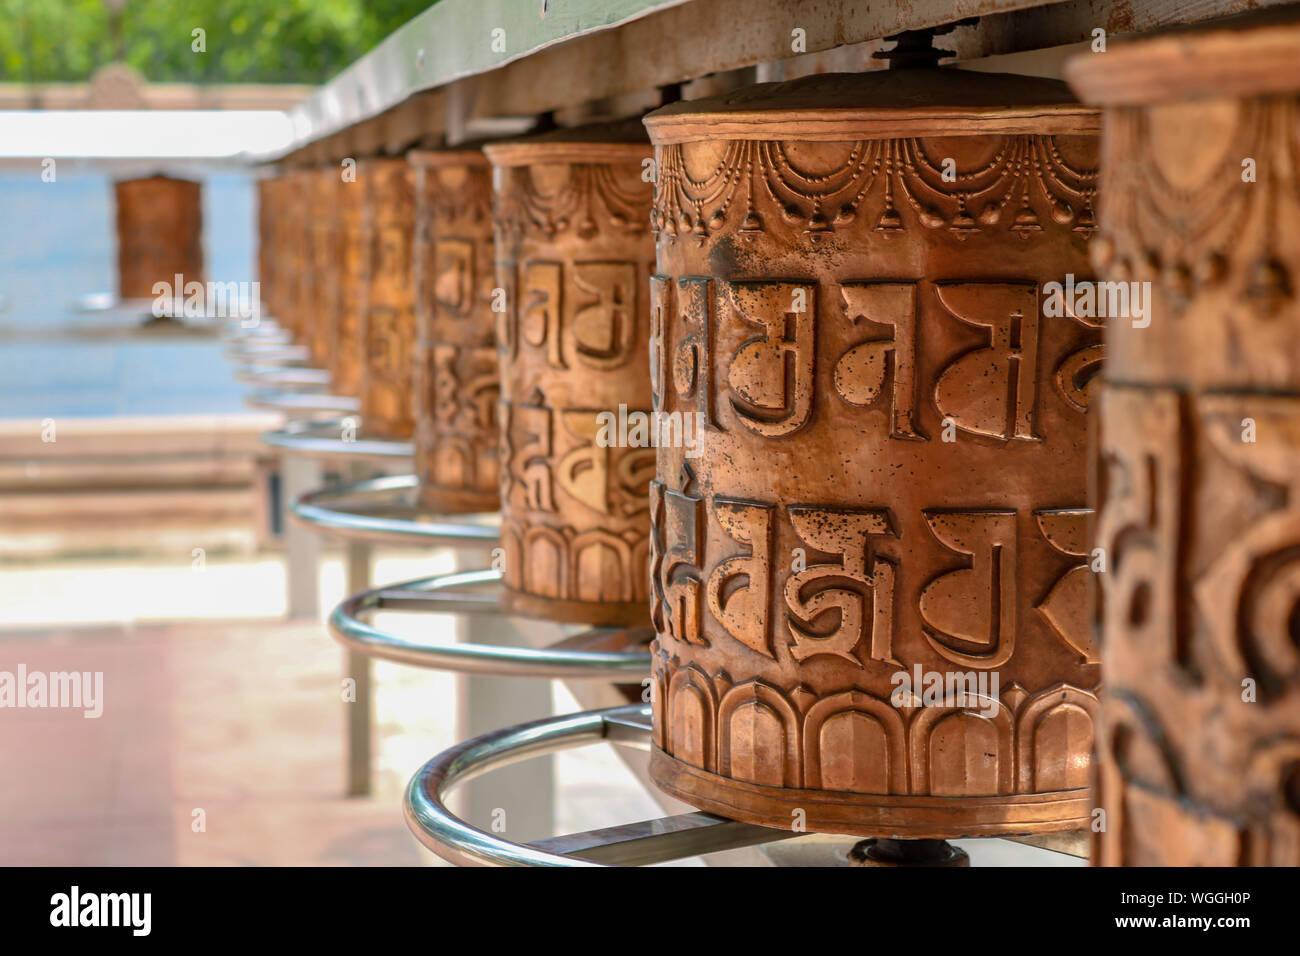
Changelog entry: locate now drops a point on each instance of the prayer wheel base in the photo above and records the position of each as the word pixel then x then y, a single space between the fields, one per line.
pixel 885 852
pixel 597 613
pixel 451 501
pixel 386 430
pixel 890 816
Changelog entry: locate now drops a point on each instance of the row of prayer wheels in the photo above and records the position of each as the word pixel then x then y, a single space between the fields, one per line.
pixel 811 382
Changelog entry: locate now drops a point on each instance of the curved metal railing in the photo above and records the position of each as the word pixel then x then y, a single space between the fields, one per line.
pixel 594 653
pixel 383 509
pixel 284 378
pixel 304 403
pixel 269 355
pixel 650 841
pixel 335 438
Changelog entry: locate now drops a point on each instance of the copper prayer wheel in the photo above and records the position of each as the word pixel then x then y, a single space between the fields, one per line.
pixel 266 242
pixel 321 291
pixel 867 549
pixel 1198 748
pixel 273 267
pixel 292 260
pixel 388 312
pixel 574 255
pixel 299 240
pixel 456 394
pixel 159 235
pixel 354 233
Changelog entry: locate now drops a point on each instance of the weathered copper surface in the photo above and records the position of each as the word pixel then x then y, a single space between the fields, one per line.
pixel 324 254
pixel 293 254
pixel 388 314
pixel 354 278
pixel 274 257
pixel 456 431
pixel 1198 746
pixel 574 256
pixel 159 234
pixel 890 459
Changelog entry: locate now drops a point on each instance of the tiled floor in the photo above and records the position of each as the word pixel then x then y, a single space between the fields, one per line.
pixel 234 723
pixel 218 744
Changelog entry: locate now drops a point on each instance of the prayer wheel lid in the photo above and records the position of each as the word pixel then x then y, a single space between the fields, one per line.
pixel 154 178
pixel 620 141
pixel 1248 55
pixel 383 160
pixel 830 107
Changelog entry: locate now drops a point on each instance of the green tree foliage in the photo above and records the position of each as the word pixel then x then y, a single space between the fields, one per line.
pixel 247 41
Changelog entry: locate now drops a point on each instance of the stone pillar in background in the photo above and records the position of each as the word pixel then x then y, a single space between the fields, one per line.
pixel 159 234
pixel 574 257
pixel 388 315
pixel 883 482
pixel 1198 475
pixel 456 394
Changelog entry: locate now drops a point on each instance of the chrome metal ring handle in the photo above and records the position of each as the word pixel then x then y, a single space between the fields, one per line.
pixel 235 327
pixel 272 355
pixel 284 378
pixel 649 841
pixel 376 515
pixel 238 347
pixel 456 841
pixel 266 339
pixel 264 336
pixel 319 438
pixel 304 403
pixel 462 592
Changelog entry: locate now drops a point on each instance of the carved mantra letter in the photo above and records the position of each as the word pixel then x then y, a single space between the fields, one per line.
pixel 743 612
pixel 771 375
pixel 1250 593
pixel 393 253
pixel 539 318
pixel 507 323
pixel 971 612
pixel 533 421
pixel 660 304
pixel 677 545
pixel 861 372
pixel 693 358
pixel 584 471
pixel 992 391
pixel 1142 520
pixel 453 286
pixel 446 389
pixel 1065 606
pixel 861 576
pixel 385 349
pixel 604 331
